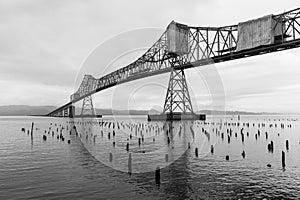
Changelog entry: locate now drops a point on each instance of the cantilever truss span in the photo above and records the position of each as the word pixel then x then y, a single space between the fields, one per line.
pixel 205 45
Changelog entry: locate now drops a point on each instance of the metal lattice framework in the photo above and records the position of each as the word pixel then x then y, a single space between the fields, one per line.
pixel 87 106
pixel 177 97
pixel 206 45
pixel 203 46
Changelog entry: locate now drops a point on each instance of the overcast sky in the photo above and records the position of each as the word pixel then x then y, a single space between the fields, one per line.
pixel 46 45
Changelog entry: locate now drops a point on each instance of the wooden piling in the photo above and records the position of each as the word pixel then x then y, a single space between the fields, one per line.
pixel 243 154
pixel 283 159
pixel 32 130
pixel 127 147
pixel 227 157
pixel 272 145
pixel 157 176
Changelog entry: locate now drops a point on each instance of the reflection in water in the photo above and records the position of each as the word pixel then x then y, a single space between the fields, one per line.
pixel 174 175
pixel 176 179
pixel 149 144
pixel 31 144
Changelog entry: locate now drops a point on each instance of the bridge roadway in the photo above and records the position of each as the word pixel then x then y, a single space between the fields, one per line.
pixel 206 45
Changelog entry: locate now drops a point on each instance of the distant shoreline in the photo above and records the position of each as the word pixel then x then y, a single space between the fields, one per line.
pixel 230 115
pixel 24 110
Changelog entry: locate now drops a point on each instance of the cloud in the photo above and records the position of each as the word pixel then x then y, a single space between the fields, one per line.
pixel 44 44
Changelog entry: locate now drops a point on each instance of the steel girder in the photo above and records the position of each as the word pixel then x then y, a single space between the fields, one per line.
pixel 206 45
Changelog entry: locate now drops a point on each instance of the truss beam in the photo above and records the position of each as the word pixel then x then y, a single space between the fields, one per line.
pixel 206 45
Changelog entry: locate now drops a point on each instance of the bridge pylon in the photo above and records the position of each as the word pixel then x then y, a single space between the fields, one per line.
pixel 177 97
pixel 87 108
pixel 71 111
pixel 178 104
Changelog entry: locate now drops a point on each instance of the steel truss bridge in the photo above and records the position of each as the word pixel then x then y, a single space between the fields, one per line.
pixel 181 47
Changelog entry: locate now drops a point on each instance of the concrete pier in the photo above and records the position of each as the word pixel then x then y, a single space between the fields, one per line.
pixel 176 117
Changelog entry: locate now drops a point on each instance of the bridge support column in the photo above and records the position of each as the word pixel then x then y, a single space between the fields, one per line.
pixel 178 105
pixel 87 108
pixel 177 97
pixel 71 111
pixel 66 113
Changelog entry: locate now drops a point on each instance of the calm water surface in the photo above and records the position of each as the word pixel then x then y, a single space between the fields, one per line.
pixel 54 169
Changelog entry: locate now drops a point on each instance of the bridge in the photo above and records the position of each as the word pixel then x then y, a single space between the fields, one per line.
pixel 181 47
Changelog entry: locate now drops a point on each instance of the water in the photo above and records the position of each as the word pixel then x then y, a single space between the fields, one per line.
pixel 54 169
